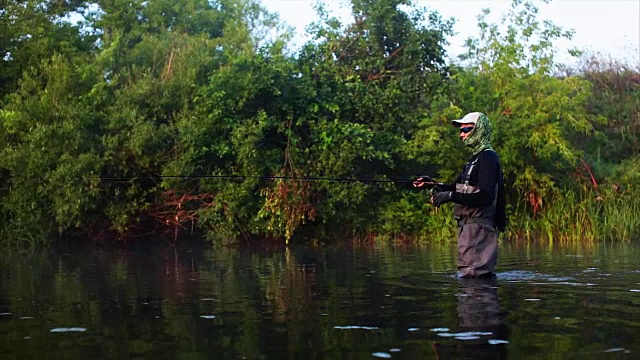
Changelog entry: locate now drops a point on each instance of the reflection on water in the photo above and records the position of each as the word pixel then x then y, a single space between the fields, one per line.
pixel 192 301
pixel 483 330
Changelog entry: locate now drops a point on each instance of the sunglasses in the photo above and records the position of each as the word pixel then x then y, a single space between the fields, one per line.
pixel 466 129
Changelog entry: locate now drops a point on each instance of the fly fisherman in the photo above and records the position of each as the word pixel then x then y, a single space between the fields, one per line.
pixel 478 197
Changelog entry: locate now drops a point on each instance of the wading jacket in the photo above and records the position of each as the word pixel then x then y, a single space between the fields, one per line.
pixel 478 192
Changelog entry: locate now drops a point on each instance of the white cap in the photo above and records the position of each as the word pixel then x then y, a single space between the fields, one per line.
pixel 470 118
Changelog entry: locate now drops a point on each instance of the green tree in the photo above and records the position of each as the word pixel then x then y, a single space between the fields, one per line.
pixel 49 146
pixel 33 31
pixel 114 116
pixel 614 152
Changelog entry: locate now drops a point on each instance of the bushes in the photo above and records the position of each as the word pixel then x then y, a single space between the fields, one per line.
pixel 161 106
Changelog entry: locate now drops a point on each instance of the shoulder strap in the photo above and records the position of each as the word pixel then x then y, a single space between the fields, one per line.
pixel 473 164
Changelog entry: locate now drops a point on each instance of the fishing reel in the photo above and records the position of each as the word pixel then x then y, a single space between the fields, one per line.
pixel 428 184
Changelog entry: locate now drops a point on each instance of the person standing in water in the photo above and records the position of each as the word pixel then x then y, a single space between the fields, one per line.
pixel 478 197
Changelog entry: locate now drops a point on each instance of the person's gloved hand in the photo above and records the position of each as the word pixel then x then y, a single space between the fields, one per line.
pixel 441 197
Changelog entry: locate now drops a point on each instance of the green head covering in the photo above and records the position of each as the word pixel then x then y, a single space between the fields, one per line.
pixel 479 138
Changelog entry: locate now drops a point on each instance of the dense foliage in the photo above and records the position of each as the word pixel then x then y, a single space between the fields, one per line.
pixel 151 116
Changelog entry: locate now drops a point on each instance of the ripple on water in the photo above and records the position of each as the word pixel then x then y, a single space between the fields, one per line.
pixel 355 327
pixel 465 335
pixel 523 275
pixel 443 329
pixel 382 355
pixel 497 341
pixel 71 329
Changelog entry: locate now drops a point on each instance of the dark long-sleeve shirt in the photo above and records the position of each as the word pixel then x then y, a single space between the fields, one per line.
pixel 485 175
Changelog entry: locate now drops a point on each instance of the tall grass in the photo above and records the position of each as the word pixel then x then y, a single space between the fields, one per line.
pixel 585 217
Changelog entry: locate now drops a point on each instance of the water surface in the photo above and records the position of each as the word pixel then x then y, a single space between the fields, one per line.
pixel 192 301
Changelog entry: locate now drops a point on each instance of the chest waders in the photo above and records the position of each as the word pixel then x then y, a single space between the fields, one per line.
pixel 477 235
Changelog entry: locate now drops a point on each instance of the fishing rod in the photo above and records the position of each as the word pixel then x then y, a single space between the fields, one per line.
pixel 265 177
pixel 430 184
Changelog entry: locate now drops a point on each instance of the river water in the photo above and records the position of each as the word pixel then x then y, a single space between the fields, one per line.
pixel 192 301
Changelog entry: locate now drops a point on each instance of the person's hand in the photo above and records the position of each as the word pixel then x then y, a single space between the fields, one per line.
pixel 422 182
pixel 441 197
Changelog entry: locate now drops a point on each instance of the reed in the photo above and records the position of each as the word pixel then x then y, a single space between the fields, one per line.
pixel 581 217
